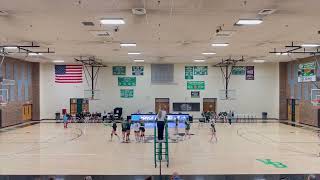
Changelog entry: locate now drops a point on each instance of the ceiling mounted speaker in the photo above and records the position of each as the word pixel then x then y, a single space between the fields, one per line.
pixel 139 11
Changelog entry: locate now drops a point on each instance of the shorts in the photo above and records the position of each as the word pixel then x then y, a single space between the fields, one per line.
pixel 136 131
pixel 124 130
pixel 142 129
pixel 114 129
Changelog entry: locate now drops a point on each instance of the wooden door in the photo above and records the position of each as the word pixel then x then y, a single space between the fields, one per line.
pixel 27 112
pixel 209 104
pixel 163 103
pixel 73 106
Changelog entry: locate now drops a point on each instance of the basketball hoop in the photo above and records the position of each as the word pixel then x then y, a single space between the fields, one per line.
pixel 315 103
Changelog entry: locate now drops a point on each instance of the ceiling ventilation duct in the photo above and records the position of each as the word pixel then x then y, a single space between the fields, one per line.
pixel 139 11
pixel 225 33
pixel 103 34
pixel 265 12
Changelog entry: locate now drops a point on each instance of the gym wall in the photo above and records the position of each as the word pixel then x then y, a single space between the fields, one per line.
pixel 301 91
pixel 253 96
pixel 25 90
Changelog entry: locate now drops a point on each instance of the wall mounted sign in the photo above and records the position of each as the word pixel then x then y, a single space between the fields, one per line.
pixel 269 162
pixel 188 72
pixel 195 85
pixel 238 70
pixel 307 72
pixel 195 94
pixel 119 70
pixel 249 72
pixel 200 70
pixel 137 70
pixel 126 93
pixel 126 81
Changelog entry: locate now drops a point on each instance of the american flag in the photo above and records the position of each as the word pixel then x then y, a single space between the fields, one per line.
pixel 68 73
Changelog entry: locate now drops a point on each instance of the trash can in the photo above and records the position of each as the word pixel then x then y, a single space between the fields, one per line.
pixel 264 115
pixel 57 116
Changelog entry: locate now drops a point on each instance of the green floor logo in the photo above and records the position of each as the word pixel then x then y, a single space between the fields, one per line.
pixel 271 163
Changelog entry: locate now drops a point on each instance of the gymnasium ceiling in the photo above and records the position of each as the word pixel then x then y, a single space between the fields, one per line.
pixel 172 31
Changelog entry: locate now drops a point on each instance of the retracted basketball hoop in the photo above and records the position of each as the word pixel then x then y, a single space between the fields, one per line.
pixel 315 98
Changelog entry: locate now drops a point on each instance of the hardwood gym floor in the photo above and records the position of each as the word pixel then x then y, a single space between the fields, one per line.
pixel 47 148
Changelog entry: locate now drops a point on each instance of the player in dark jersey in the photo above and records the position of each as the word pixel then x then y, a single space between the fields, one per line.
pixel 124 130
pixel 188 127
pixel 128 124
pixel 142 131
pixel 114 130
pixel 213 131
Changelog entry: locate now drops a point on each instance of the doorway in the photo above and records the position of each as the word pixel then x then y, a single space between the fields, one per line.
pixel 293 110
pixel 209 104
pixel 27 112
pixel 164 103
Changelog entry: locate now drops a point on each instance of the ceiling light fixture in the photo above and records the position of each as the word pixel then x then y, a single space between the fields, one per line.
pixel 34 54
pixel 282 54
pixel 220 44
pixel 113 21
pixel 58 61
pixel 128 44
pixel 138 60
pixel 310 45
pixel 199 60
pixel 259 61
pixel 134 53
pixel 11 47
pixel 249 22
pixel 209 53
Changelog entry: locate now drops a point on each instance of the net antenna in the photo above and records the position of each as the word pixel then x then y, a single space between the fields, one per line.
pixel 92 68
pixel 226 66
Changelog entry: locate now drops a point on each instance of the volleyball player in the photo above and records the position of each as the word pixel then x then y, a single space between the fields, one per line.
pixel 128 124
pixel 114 130
pixel 187 128
pixel 136 128
pixel 213 131
pixel 65 120
pixel 142 131
pixel 124 130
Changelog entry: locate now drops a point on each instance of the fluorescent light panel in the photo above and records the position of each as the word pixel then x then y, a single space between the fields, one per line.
pixel 34 54
pixel 138 60
pixel 282 54
pixel 11 47
pixel 111 21
pixel 128 44
pixel 310 45
pixel 134 53
pixel 220 44
pixel 249 21
pixel 199 60
pixel 209 53
pixel 58 61
pixel 259 61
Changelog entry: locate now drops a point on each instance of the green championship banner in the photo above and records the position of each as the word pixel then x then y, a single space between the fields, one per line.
pixel 188 72
pixel 118 70
pixel 200 70
pixel 126 81
pixel 137 70
pixel 195 85
pixel 307 72
pixel 126 93
pixel 238 70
